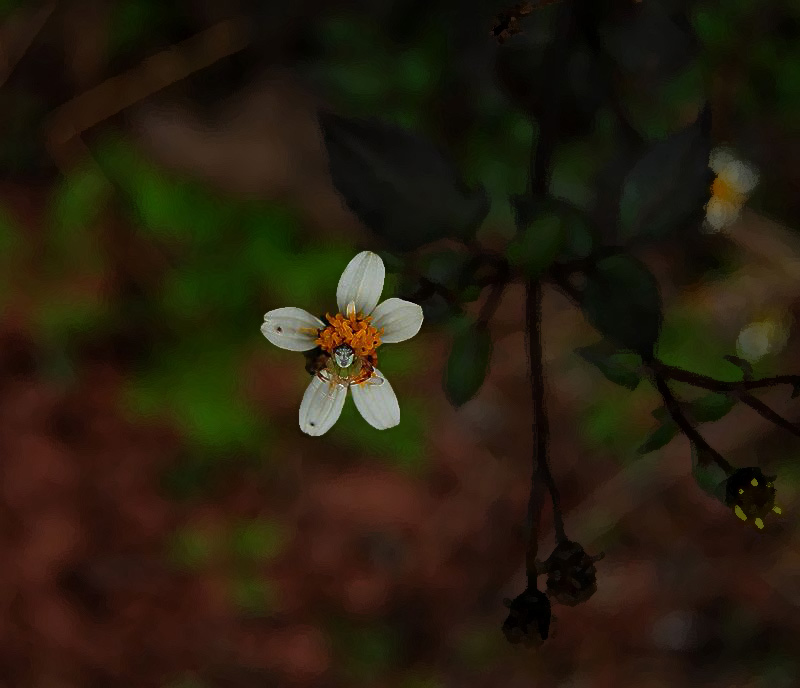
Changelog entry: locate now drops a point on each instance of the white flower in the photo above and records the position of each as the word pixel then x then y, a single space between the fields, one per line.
pixel 734 182
pixel 348 342
pixel 766 336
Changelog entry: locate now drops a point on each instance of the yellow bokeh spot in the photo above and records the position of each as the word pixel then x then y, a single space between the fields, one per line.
pixel 776 509
pixel 759 523
pixel 754 482
pixel 738 511
pixel 769 484
pixel 741 491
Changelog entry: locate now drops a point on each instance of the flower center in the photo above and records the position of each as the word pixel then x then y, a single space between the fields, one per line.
pixel 353 330
pixel 723 191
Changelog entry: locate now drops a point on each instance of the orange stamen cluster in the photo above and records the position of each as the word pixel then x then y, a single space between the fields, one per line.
pixel 722 190
pixel 355 331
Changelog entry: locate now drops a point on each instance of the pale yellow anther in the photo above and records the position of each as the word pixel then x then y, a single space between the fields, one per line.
pixel 754 482
pixel 759 523
pixel 776 509
pixel 738 511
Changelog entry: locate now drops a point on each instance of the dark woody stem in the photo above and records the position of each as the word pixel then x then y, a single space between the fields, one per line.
pixel 541 474
pixel 686 427
pixel 540 162
pixel 714 385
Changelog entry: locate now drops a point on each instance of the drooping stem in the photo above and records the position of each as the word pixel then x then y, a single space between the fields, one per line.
pixel 540 470
pixel 686 427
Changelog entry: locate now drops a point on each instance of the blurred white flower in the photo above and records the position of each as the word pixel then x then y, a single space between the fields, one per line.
pixel 733 184
pixel 348 343
pixel 766 336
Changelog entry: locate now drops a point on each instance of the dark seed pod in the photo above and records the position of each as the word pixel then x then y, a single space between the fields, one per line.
pixel 528 620
pixel 571 573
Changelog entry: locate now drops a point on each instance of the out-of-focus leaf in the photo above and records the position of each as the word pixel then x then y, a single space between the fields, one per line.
pixel 398 184
pixel 444 267
pixel 669 185
pixel 402 447
pixel 620 367
pixel 256 540
pixel 647 41
pixel 621 299
pixel 745 366
pixel 191 548
pixel 254 595
pixel 659 110
pixel 578 240
pixel 708 475
pixel 537 245
pixel 711 407
pixel 467 364
pixel 659 438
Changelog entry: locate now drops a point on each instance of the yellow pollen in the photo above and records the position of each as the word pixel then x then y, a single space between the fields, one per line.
pixel 759 523
pixel 738 511
pixel 354 330
pixel 776 509
pixel 723 191
pixel 754 482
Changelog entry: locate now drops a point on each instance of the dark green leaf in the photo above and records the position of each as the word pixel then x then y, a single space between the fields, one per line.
pixel 647 42
pixel 711 407
pixel 621 299
pixel 660 437
pixel 537 245
pixel 708 475
pixel 660 413
pixel 467 364
pixel 618 366
pixel 746 367
pixel 669 185
pixel 398 184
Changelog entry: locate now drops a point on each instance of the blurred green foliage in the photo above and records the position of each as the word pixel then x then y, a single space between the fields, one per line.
pixel 365 652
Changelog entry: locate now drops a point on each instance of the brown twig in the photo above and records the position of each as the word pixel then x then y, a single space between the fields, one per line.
pixel 70 120
pixel 17 36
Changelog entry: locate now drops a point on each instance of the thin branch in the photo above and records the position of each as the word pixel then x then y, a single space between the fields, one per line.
pixel 686 427
pixel 766 412
pixel 714 385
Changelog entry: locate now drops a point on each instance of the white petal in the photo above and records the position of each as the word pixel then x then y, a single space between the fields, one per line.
pixel 399 319
pixel 361 282
pixel 740 176
pixel 291 328
pixel 721 158
pixel 377 403
pixel 321 406
pixel 720 213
